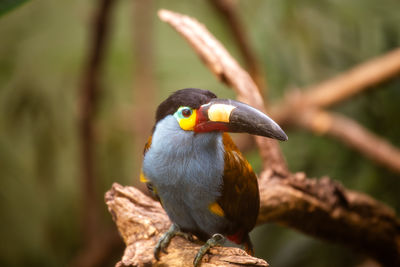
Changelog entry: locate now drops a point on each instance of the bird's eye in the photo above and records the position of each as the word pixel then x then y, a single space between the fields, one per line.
pixel 186 112
pixel 186 117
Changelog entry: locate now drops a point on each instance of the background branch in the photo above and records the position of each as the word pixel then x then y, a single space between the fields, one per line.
pixel 352 134
pixel 90 91
pixel 228 11
pixel 93 242
pixel 302 109
pixel 354 81
pixel 299 107
pixel 339 88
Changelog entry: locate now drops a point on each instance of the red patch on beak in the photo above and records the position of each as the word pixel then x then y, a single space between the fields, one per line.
pixel 204 125
pixel 210 127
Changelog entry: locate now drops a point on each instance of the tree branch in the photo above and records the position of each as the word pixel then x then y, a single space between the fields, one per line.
pixel 302 109
pixel 325 209
pixel 321 208
pixel 141 221
pixel 227 10
pixel 355 80
pixel 96 247
pixel 228 71
pixel 89 98
pixel 341 87
pixel 352 134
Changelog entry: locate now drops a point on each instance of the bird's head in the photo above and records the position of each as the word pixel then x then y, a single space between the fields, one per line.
pixel 201 111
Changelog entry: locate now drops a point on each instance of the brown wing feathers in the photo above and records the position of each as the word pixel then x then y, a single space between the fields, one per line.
pixel 240 197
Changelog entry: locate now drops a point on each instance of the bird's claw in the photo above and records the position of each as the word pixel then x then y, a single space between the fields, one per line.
pixel 160 247
pixel 164 241
pixel 186 236
pixel 215 240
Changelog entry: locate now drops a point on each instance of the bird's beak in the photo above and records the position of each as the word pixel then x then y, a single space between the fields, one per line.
pixel 233 116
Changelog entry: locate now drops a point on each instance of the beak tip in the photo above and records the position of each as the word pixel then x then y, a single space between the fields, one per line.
pixel 243 118
pixel 282 136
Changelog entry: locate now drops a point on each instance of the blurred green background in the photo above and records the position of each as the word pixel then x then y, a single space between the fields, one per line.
pixel 43 52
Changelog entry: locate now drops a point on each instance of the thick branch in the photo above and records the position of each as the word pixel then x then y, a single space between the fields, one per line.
pixel 227 70
pixel 141 221
pixel 341 87
pixel 321 208
pixel 324 209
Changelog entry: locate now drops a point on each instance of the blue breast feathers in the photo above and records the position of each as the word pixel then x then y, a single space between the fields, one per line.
pixel 186 168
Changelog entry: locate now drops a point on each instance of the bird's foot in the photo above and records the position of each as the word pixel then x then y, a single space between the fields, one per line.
pixel 164 241
pixel 186 236
pixel 215 240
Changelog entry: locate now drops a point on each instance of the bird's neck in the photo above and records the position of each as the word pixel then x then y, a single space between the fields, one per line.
pixel 170 139
pixel 177 156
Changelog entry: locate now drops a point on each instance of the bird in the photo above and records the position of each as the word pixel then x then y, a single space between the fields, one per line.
pixel 191 165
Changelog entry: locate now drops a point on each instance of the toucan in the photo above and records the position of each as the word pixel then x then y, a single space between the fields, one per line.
pixel 192 166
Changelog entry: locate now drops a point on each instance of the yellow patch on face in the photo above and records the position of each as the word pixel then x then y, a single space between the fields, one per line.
pixel 187 124
pixel 220 112
pixel 216 209
pixel 186 118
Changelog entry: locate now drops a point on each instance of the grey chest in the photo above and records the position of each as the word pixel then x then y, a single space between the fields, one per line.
pixel 186 170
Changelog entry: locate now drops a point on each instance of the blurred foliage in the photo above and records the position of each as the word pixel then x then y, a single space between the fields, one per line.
pixel 8 5
pixel 42 53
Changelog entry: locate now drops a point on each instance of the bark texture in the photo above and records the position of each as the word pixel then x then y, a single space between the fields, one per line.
pixel 141 222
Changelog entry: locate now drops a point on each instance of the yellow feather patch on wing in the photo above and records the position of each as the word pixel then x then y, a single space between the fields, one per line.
pixel 143 178
pixel 216 209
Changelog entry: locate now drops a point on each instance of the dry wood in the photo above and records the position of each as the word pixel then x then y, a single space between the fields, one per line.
pixel 321 208
pixel 141 221
pixel 325 209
